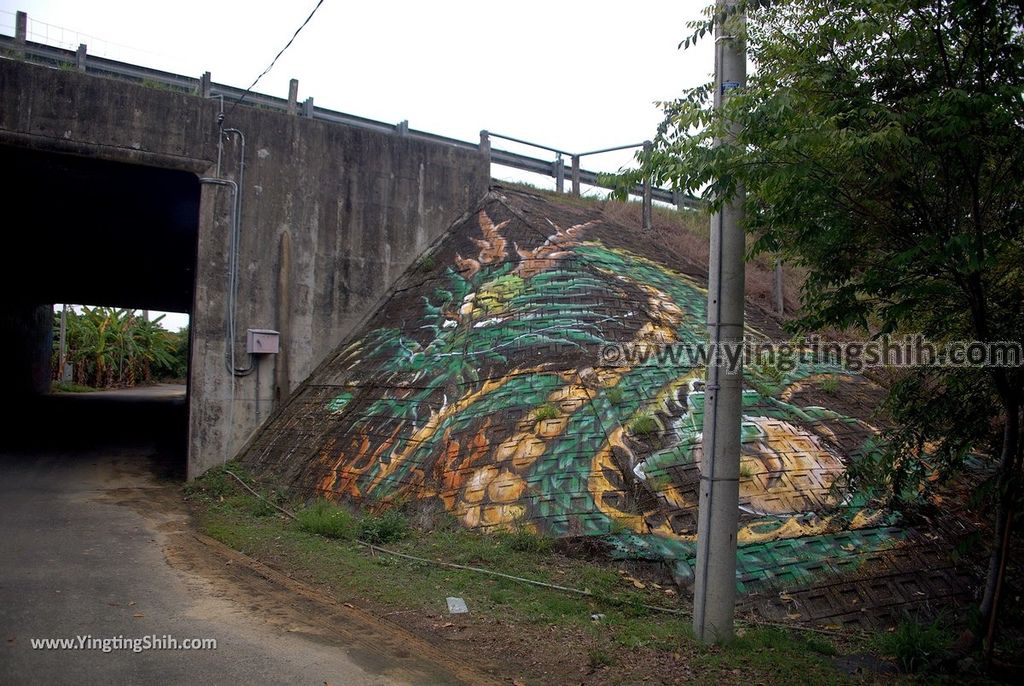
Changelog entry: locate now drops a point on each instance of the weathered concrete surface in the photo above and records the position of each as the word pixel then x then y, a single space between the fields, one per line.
pixel 93 544
pixel 26 340
pixel 331 215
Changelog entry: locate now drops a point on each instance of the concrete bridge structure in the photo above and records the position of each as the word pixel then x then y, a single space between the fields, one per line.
pixel 130 195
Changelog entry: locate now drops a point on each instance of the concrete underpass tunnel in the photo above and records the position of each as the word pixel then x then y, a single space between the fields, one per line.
pixel 86 230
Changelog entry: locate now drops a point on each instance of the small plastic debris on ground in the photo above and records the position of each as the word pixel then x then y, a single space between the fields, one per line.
pixel 457 606
pixel 597 616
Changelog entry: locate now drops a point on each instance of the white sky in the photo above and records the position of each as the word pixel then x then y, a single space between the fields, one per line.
pixel 573 75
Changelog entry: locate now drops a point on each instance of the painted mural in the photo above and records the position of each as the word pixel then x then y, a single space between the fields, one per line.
pixel 480 386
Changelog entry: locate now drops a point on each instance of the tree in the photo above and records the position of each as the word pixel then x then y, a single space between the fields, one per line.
pixel 881 147
pixel 116 347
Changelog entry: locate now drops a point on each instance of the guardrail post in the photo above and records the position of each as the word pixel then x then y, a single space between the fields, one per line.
pixel 293 96
pixel 648 146
pixel 21 27
pixel 559 173
pixel 778 289
pixel 307 107
pixel 80 56
pixel 678 199
pixel 576 175
pixel 205 84
pixel 402 128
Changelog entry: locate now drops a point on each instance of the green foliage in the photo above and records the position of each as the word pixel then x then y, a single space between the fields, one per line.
pixel 426 263
pixel 523 540
pixel 830 385
pixel 177 366
pixel 599 657
pixel 644 425
pixel 615 395
pixel 62 387
pixel 324 518
pixel 216 483
pixel 545 411
pixel 880 144
pixel 389 526
pixel 116 347
pixel 914 645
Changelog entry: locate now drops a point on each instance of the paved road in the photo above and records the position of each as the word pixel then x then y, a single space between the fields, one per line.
pixel 95 541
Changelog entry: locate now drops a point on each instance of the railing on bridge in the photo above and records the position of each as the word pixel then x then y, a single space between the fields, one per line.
pixel 19 47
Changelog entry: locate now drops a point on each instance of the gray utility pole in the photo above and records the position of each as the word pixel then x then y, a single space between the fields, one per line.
pixel 714 597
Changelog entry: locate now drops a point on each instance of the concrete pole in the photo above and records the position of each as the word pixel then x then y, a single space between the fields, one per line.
pixel 559 174
pixel 81 56
pixel 293 96
pixel 714 596
pixel 576 175
pixel 21 27
pixel 648 201
pixel 778 289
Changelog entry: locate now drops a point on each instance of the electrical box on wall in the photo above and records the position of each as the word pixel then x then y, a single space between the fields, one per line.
pixel 262 342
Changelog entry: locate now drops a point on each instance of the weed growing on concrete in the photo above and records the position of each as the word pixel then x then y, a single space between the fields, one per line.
pixel 546 411
pixel 644 425
pixel 830 385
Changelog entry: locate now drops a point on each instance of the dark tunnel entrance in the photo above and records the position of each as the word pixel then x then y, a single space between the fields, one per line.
pixel 86 230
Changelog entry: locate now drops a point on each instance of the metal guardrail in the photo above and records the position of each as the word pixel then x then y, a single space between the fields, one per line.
pixel 19 48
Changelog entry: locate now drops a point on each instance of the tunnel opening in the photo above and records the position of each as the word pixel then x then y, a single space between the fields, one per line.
pixel 88 230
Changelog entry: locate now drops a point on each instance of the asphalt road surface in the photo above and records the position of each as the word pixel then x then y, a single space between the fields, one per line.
pixel 95 542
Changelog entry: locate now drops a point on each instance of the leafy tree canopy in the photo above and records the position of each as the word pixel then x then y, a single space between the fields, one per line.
pixel 880 144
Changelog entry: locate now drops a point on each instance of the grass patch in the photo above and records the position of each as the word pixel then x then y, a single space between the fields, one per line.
pixel 914 645
pixel 327 519
pixel 67 387
pixel 772 656
pixel 615 395
pixel 598 657
pixel 320 548
pixel 830 385
pixel 522 540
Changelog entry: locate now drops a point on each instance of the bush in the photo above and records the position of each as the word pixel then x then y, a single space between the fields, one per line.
pixel 387 527
pixel 327 519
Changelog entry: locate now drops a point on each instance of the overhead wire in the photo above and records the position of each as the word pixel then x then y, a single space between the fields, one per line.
pixel 276 57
